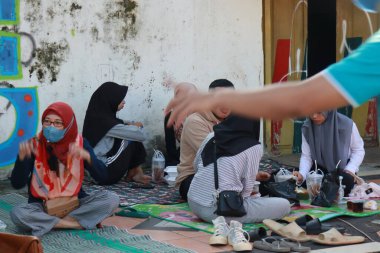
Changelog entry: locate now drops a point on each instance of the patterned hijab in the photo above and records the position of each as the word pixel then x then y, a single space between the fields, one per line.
pixel 67 181
pixel 101 111
pixel 330 141
pixel 66 113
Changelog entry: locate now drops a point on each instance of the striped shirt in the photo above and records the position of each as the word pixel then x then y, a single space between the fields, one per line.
pixel 236 173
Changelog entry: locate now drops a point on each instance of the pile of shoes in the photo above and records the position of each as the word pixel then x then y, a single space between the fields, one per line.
pixel 283 238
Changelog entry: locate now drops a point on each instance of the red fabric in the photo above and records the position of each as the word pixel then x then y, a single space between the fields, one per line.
pixel 281 61
pixel 60 148
pixel 371 134
pixel 46 184
pixel 68 183
pixel 281 67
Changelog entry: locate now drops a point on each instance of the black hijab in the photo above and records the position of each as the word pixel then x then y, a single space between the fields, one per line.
pixel 101 111
pixel 231 137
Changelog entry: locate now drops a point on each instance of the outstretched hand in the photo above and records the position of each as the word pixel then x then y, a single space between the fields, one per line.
pixel 26 150
pixel 182 106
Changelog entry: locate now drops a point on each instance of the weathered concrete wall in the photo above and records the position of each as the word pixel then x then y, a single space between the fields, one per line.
pixel 81 44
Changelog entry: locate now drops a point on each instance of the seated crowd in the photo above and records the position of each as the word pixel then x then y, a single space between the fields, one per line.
pixel 111 149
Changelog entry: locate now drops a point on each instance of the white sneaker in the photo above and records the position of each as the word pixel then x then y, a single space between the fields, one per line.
pixel 236 237
pixel 221 232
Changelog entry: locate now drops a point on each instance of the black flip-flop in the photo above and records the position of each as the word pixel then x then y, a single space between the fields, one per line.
pixel 141 185
pixel 314 226
pixel 256 234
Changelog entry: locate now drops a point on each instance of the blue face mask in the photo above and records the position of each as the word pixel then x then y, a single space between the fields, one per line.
pixel 53 134
pixel 368 5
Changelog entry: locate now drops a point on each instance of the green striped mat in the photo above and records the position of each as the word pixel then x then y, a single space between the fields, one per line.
pixel 107 239
pixel 181 214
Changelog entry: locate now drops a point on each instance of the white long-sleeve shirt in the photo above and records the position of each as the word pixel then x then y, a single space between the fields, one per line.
pixel 356 154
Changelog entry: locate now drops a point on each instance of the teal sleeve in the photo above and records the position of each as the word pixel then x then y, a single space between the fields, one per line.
pixel 357 77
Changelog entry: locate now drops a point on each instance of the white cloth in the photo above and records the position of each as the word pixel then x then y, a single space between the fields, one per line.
pixel 356 153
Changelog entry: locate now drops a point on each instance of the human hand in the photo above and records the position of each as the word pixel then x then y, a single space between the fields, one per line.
pixel 26 150
pixel 357 180
pixel 78 152
pixel 134 123
pixel 262 176
pixel 299 176
pixel 138 124
pixel 183 105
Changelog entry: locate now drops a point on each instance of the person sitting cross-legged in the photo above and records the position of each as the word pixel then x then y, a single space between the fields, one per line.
pixel 235 147
pixel 52 165
pixel 195 129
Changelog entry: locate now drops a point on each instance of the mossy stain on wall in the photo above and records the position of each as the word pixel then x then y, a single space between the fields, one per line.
pixel 49 57
pixel 74 7
pixel 125 11
pixel 33 14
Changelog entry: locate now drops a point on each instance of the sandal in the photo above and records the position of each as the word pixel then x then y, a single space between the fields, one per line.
pixel 291 231
pixel 131 212
pixel 294 246
pixel 333 237
pixel 270 244
pixel 136 185
pixel 256 234
pixel 314 226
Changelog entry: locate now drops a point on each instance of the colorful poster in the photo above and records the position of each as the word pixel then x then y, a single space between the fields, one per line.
pixel 10 56
pixel 9 12
pixel 25 102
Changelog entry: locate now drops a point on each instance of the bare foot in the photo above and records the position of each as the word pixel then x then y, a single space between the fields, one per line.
pixel 68 222
pixel 141 178
pixel 137 175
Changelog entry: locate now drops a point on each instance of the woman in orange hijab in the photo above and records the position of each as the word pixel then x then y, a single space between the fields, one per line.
pixel 53 164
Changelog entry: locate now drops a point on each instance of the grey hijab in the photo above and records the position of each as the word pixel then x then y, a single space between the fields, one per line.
pixel 330 141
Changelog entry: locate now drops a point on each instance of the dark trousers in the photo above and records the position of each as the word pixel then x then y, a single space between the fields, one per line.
pixel 184 187
pixel 131 157
pixel 172 152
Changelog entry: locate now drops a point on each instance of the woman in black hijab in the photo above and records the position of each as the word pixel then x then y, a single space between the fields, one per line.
pixel 235 146
pixel 116 142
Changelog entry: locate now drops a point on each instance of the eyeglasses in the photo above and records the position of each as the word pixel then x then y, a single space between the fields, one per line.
pixel 47 122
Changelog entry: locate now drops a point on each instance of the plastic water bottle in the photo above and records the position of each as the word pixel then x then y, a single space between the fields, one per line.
pixel 158 166
pixel 340 199
pixel 2 225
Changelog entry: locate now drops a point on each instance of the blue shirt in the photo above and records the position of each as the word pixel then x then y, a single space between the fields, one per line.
pixel 357 77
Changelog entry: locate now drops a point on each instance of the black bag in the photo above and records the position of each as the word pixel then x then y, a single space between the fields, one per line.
pixel 228 203
pixel 284 189
pixel 328 192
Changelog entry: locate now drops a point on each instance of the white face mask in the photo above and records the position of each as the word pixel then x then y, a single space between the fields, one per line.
pixel 372 6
